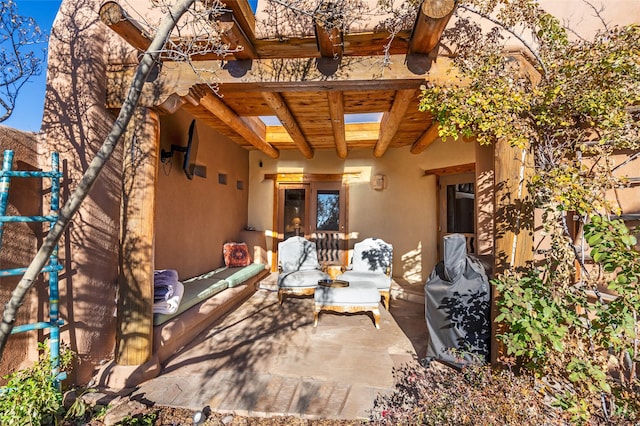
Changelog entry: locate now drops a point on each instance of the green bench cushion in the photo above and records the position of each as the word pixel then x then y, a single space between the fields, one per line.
pixel 195 291
pixel 204 286
pixel 237 276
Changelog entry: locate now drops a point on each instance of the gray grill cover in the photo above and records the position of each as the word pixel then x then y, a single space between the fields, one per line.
pixel 457 301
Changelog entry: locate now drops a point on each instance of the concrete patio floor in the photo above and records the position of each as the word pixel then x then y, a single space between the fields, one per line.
pixel 264 359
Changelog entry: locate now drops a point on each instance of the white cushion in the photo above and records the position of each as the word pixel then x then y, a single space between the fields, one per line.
pixel 356 294
pixel 296 254
pixel 378 279
pixel 372 255
pixel 300 279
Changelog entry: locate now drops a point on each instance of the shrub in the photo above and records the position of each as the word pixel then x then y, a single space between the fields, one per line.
pixel 476 395
pixel 30 396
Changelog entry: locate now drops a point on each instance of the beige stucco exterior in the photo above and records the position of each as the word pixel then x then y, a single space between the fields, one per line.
pixel 191 219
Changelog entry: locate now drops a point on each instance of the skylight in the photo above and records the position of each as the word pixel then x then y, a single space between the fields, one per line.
pixel 270 120
pixel 367 118
pixel 370 117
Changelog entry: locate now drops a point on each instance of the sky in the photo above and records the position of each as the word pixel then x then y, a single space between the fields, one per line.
pixel 30 104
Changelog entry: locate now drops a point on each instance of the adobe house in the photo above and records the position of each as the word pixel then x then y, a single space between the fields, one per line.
pixel 298 118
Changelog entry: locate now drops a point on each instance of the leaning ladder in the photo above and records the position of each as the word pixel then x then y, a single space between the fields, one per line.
pixel 53 267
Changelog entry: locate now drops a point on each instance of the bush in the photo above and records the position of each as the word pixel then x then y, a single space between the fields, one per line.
pixel 476 395
pixel 30 396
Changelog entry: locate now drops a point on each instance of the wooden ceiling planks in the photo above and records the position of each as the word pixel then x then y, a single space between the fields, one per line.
pixel 281 79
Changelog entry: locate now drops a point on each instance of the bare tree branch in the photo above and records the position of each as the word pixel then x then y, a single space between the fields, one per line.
pixel 17 64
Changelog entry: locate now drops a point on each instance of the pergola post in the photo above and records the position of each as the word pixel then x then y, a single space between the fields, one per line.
pixel 513 232
pixel 134 338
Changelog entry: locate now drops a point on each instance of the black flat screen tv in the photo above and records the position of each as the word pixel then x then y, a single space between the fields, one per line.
pixel 191 151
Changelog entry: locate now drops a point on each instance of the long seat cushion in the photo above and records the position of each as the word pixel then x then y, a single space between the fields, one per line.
pixel 359 293
pixel 195 291
pixel 209 284
pixel 237 276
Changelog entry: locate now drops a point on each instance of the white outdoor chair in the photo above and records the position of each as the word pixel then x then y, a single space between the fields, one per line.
pixel 299 268
pixel 371 261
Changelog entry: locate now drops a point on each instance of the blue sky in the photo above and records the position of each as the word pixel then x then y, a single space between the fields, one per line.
pixel 30 105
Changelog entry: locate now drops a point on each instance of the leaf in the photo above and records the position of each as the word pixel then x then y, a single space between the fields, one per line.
pixel 594 239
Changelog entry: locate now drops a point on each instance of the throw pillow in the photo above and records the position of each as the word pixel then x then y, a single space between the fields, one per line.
pixel 236 254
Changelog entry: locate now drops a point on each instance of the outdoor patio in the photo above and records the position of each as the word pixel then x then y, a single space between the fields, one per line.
pixel 265 359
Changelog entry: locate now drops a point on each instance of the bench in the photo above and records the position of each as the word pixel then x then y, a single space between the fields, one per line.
pixel 206 298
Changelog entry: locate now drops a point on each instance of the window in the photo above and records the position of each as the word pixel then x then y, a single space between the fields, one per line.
pixel 328 210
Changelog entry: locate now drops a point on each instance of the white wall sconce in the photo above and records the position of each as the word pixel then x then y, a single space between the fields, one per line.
pixel 379 182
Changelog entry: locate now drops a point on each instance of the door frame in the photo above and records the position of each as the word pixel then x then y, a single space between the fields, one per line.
pixel 307 180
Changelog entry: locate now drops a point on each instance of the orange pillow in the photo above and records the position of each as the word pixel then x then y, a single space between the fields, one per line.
pixel 236 254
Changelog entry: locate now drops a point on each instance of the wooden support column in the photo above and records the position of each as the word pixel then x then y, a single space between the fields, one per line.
pixel 513 219
pixel 134 339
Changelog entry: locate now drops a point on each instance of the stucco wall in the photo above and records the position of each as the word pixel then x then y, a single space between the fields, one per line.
pixel 19 245
pixel 404 214
pixel 194 218
pixel 75 123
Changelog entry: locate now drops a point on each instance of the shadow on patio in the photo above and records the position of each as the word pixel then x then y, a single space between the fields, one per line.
pixel 264 359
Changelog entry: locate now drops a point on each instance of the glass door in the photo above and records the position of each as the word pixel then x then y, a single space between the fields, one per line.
pixel 317 211
pixel 293 210
pixel 328 221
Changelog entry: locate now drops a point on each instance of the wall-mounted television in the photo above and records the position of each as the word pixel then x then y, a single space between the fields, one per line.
pixel 190 153
pixel 189 163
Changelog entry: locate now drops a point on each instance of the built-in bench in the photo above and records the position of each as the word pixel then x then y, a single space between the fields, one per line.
pixel 206 298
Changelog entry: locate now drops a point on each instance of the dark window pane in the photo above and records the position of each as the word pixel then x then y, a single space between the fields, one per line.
pixel 460 208
pixel 293 212
pixel 328 210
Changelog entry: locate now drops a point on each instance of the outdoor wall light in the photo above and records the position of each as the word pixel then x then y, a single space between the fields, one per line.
pixel 379 182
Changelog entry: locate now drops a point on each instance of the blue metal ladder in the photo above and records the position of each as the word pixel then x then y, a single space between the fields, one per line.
pixel 53 267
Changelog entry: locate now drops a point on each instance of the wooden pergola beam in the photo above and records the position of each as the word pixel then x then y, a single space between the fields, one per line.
pixel 115 17
pixel 218 108
pixel 431 21
pixel 264 76
pixel 392 119
pixel 277 103
pixel 233 36
pixel 451 170
pixel 244 17
pixel 336 113
pixel 356 44
pixel 329 42
pixel 426 139
pixel 328 37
